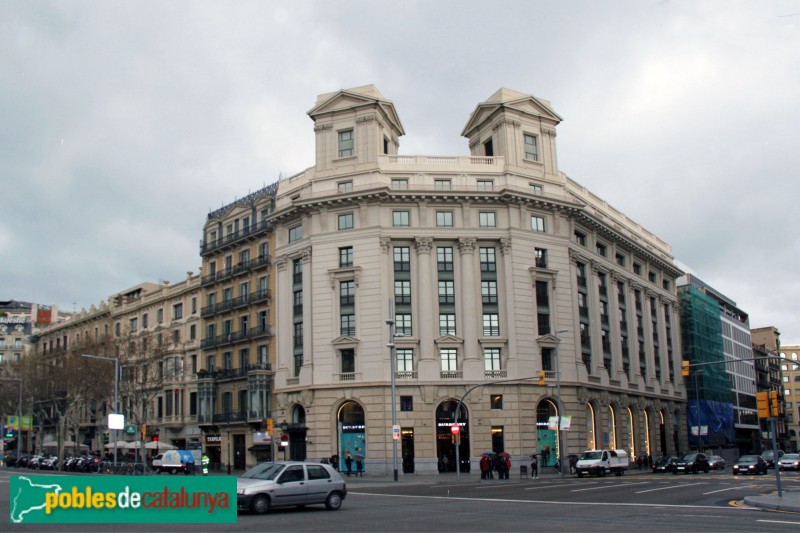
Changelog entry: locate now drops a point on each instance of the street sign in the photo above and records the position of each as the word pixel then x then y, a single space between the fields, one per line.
pixel 130 429
pixel 395 432
pixel 455 429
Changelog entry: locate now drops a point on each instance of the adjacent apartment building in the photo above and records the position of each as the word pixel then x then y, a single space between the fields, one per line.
pixel 485 270
pixel 790 368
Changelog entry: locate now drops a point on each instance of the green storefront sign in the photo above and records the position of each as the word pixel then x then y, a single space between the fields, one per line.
pixel 122 500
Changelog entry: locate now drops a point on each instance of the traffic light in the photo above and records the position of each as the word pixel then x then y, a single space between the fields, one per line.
pixel 284 440
pixel 685 368
pixel 270 426
pixel 773 395
pixel 542 375
pixel 144 431
pixel 155 438
pixel 762 399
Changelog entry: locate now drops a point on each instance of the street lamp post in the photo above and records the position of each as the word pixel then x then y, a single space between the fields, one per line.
pixel 229 444
pixel 19 413
pixel 697 405
pixel 561 449
pixel 392 368
pixel 116 393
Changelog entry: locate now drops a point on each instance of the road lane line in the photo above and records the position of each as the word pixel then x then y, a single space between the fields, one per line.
pixel 544 487
pixel 549 502
pixel 723 490
pixel 667 488
pixel 610 486
pixel 779 522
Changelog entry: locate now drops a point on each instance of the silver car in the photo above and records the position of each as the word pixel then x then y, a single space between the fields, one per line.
pixel 289 484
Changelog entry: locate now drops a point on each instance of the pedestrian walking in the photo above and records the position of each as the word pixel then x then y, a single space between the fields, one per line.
pixel 205 460
pixel 334 460
pixel 484 464
pixel 534 467
pixel 546 456
pixel 639 462
pixel 348 462
pixel 359 466
pixel 506 465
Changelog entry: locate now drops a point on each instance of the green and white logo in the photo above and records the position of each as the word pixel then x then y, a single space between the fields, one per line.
pixel 122 500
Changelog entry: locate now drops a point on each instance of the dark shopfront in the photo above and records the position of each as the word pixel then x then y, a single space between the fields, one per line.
pixel 213 451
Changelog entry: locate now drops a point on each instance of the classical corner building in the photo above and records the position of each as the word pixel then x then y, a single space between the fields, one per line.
pixel 234 373
pixel 488 269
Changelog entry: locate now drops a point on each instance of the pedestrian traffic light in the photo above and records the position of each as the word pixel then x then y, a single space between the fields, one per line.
pixel 762 399
pixel 774 403
pixel 284 440
pixel 542 375
pixel 685 368
pixel 270 426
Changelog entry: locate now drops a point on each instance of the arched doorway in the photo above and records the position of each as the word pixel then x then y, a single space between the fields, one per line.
pixel 662 433
pixel 647 450
pixel 632 436
pixel 546 437
pixel 612 428
pixel 445 445
pixel 351 429
pixel 591 443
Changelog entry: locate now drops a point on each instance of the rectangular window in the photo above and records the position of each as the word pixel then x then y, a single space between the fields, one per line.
pixel 620 259
pixel 401 219
pixel 402 259
pixel 442 185
pixel 345 221
pixel 580 238
pixel 449 359
pixel 295 233
pixel 192 332
pixel 211 362
pixel 637 269
pixel 348 358
pixel 402 325
pixel 194 305
pixel 485 185
pixel 447 292
pixel 487 258
pixel 447 324
pixel 160 316
pixel 406 403
pixel 536 189
pixel 347 293
pixel 134 325
pixel 486 219
pixel 491 358
pixel 537 223
pixel 400 184
pixel 488 292
pixel 177 311
pixel 144 322
pixel 491 325
pixel 346 257
pixel 496 401
pixel 531 149
pixel 346 148
pixel 405 360
pixel 444 259
pixel 540 257
pixel 345 186
pixel 402 292
pixel 601 249
pixel 444 219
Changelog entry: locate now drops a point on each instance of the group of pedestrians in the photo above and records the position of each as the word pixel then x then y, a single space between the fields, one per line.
pixel 644 461
pixel 495 463
pixel 349 462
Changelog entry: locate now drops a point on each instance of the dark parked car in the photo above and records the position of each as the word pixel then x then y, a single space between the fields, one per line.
pixel 790 461
pixel 289 484
pixel 750 464
pixel 692 462
pixel 770 458
pixel 716 462
pixel 665 464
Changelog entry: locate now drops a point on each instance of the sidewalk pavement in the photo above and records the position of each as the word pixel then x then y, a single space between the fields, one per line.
pixel 790 501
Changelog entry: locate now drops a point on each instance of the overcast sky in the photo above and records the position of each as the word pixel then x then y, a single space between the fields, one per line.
pixel 122 124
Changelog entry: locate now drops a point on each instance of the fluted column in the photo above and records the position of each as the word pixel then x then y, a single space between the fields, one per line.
pixel 424 298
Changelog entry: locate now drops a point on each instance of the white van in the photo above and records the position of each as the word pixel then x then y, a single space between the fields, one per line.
pixel 174 461
pixel 602 462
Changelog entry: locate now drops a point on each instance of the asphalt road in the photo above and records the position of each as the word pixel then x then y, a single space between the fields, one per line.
pixel 637 501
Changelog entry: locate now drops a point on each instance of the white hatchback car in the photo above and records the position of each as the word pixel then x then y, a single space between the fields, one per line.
pixel 287 484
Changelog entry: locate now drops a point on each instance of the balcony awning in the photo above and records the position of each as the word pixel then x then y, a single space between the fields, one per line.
pixel 260 448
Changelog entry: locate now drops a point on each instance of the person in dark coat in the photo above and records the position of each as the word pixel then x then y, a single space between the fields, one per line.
pixel 359 466
pixel 534 467
pixel 348 462
pixel 334 460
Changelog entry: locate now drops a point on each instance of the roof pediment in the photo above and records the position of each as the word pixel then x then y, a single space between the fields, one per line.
pixel 353 99
pixel 345 340
pixel 449 339
pixel 506 99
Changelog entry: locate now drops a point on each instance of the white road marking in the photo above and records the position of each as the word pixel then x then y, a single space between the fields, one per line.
pixel 617 485
pixel 779 522
pixel 667 488
pixel 543 487
pixel 723 490
pixel 547 502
